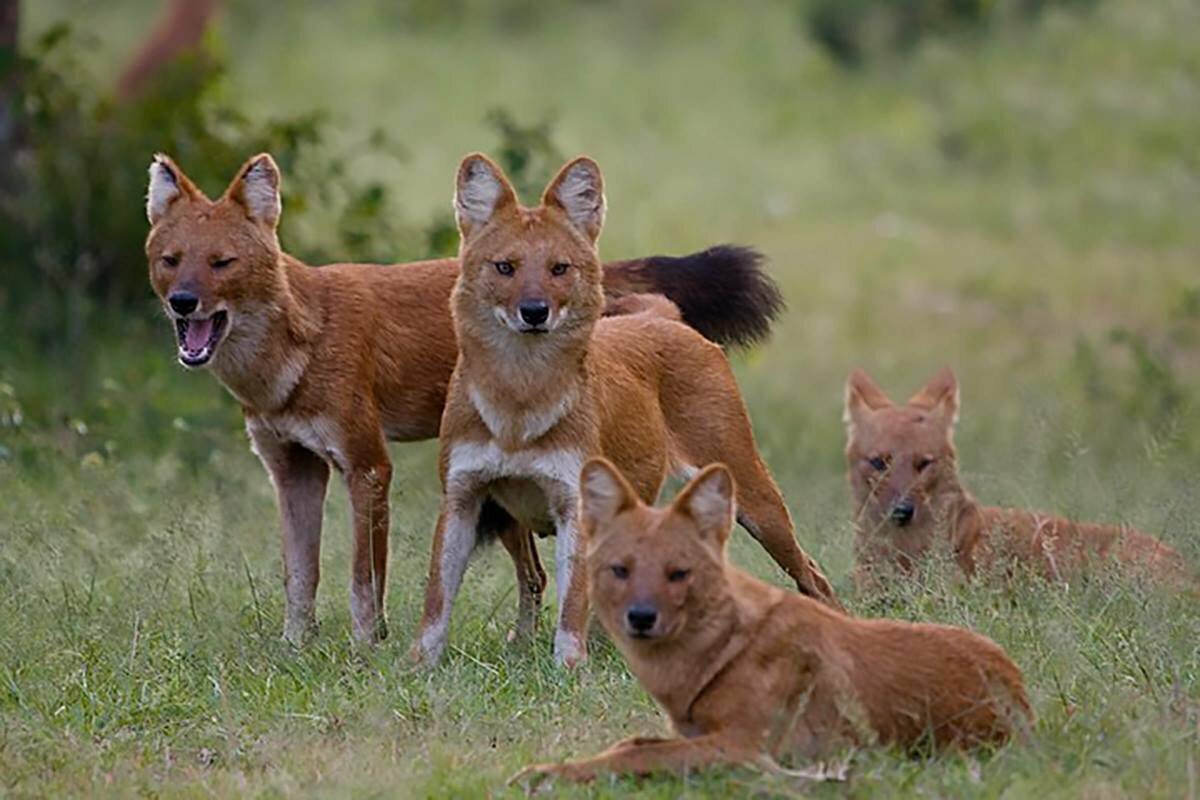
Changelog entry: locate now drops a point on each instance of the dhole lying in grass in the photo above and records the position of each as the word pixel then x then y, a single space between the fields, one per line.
pixel 542 383
pixel 749 673
pixel 903 472
pixel 330 363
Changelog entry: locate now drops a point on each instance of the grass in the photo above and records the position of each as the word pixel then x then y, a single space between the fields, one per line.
pixel 1020 206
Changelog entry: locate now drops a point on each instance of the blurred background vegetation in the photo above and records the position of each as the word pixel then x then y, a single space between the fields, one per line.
pixel 1009 187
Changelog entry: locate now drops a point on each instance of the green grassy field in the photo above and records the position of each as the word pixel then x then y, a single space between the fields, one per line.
pixel 1021 206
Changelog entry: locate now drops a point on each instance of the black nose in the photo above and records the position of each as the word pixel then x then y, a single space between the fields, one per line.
pixel 534 312
pixel 641 618
pixel 183 303
pixel 902 512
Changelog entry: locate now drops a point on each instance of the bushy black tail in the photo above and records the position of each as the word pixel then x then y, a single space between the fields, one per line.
pixel 723 292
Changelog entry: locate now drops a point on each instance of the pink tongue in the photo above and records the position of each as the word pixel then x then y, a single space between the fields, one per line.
pixel 198 331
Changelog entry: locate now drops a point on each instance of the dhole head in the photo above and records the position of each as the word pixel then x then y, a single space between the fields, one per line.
pixel 900 456
pixel 215 265
pixel 654 573
pixel 529 271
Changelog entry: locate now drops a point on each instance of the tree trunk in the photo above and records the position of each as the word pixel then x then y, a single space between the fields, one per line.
pixel 9 77
pixel 180 29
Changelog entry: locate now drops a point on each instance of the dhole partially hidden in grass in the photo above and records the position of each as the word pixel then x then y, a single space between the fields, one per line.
pixel 903 472
pixel 542 383
pixel 751 674
pixel 329 363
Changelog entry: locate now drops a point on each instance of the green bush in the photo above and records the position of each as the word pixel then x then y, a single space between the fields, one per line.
pixel 72 207
pixel 854 31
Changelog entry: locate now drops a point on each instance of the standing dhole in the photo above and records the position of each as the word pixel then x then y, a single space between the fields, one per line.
pixel 542 383
pixel 748 673
pixel 329 363
pixel 903 471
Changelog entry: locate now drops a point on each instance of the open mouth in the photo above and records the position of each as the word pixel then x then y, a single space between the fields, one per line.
pixel 198 338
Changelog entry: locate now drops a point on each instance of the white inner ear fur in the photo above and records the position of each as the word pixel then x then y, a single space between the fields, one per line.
pixel 260 192
pixel 602 495
pixel 580 196
pixel 163 190
pixel 949 406
pixel 476 195
pixel 711 503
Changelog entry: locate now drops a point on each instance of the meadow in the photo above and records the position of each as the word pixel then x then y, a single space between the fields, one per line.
pixel 1020 205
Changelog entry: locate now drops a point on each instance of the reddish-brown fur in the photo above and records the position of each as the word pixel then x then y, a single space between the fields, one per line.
pixel 329 363
pixel 749 674
pixel 535 394
pixel 902 459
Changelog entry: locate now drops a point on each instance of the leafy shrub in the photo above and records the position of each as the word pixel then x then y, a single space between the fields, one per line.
pixel 854 31
pixel 72 211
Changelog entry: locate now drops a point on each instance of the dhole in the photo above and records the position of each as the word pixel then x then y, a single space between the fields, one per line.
pixel 542 383
pixel 748 673
pixel 903 472
pixel 330 363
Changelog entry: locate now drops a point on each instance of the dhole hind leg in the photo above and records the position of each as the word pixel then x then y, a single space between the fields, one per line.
pixel 531 576
pixel 300 478
pixel 722 433
pixel 761 511
pixel 368 478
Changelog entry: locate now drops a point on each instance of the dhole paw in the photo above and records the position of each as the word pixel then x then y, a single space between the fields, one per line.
pixel 423 655
pixel 299 633
pixel 536 776
pixel 570 649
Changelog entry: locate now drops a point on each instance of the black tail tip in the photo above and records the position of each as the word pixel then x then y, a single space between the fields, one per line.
pixel 724 292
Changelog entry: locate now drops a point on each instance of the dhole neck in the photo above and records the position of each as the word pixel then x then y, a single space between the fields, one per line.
pixel 268 346
pixel 525 375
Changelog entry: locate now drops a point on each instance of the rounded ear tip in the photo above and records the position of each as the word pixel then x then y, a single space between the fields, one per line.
pixel 596 464
pixel 473 160
pixel 720 474
pixel 263 161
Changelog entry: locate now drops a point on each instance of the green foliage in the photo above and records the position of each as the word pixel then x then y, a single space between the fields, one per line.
pixel 73 212
pixel 526 152
pixel 140 579
pixel 853 32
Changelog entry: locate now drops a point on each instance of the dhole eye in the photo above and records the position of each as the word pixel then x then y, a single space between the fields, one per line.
pixel 171 260
pixel 676 575
pixel 877 463
pixel 922 463
pixel 504 267
pixel 559 269
pixel 620 572
pixel 220 263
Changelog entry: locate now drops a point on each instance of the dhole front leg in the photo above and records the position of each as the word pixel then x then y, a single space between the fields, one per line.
pixel 368 486
pixel 453 542
pixel 570 637
pixel 300 478
pixel 648 756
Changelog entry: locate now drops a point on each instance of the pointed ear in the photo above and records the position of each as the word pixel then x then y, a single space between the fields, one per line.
pixel 939 396
pixel 709 500
pixel 256 188
pixel 578 190
pixel 604 493
pixel 480 191
pixel 863 396
pixel 167 184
